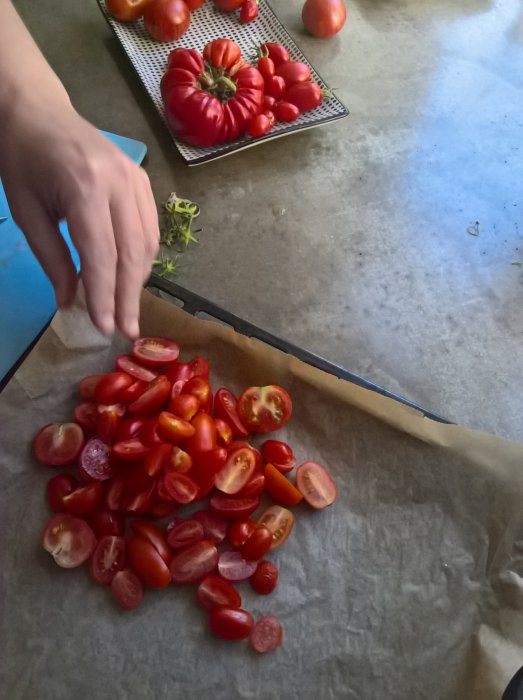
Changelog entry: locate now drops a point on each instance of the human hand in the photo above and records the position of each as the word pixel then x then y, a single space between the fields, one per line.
pixel 55 165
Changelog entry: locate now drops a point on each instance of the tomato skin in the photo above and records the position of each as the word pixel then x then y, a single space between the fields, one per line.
pixel 110 387
pixel 276 52
pixel 278 453
pixel 254 487
pixel 185 406
pixel 268 102
pixel 267 634
pixel 57 487
pixel 167 20
pixel 129 428
pixel 179 461
pixel 226 408
pixel 324 18
pixel 173 428
pixel 200 367
pixel 126 10
pixel 240 531
pixel 316 485
pixel 87 387
pixel 69 540
pixel 194 4
pixel 199 387
pixel 223 432
pixel 149 434
pixel 275 87
pixel 266 67
pixel 127 589
pixel 204 438
pixel 233 508
pixel 230 623
pixel 214 590
pixel 133 391
pixel 189 59
pixel 214 526
pixel 114 494
pixel 249 11
pixel 294 72
pixel 141 503
pixel 243 443
pixel 156 458
pixel 104 522
pixel 264 409
pixel 228 5
pixel 265 578
pixel 237 471
pixel 177 487
pixel 126 363
pixel 57 444
pixel 154 351
pixel 286 112
pixel 108 558
pixel 280 522
pixel 151 532
pixel 147 564
pixel 161 509
pixel 194 562
pixel 305 96
pixel 259 126
pixel 184 534
pixel 132 450
pixel 280 488
pixel 258 544
pixel 86 415
pixel 84 499
pixel 153 398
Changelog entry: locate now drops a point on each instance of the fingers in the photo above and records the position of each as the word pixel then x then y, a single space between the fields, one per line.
pixel 149 219
pixel 91 229
pixel 51 251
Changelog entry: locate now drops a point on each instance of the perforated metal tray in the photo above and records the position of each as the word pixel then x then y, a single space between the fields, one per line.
pixel 149 59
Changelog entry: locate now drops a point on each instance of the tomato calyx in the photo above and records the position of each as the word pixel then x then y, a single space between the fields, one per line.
pixel 217 82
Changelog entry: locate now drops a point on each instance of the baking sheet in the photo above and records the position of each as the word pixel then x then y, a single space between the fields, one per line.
pixel 409 586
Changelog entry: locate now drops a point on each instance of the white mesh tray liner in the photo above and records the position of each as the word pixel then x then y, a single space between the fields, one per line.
pixel 149 59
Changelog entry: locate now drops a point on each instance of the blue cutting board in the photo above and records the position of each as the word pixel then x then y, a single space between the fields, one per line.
pixel 27 300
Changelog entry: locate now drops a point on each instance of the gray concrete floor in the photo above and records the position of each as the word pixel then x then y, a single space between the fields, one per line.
pixel 351 239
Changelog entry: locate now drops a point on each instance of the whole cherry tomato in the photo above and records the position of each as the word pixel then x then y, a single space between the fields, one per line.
pixel 230 623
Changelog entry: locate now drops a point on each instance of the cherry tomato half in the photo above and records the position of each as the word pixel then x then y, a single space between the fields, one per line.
pixel 108 559
pixel 69 540
pixel 87 386
pixel 184 534
pixel 225 407
pixel 237 471
pixel 214 590
pixel 111 386
pixel 264 409
pixel 95 460
pixel 185 406
pixel 57 487
pixel 214 526
pixel 57 444
pixel 240 531
pixel 148 565
pixel 267 634
pixel 177 487
pixel 265 578
pixel 127 589
pixel 105 522
pixel 154 534
pixel 258 544
pixel 204 438
pixel 194 562
pixel 155 351
pixel 233 567
pixel 230 623
pixel 279 454
pixel 86 415
pixel 173 428
pixel 132 450
pixel 280 488
pixel 199 387
pixel 84 499
pixel 234 508
pixel 125 363
pixel 316 485
pixel 280 522
pixel 254 487
pixel 153 398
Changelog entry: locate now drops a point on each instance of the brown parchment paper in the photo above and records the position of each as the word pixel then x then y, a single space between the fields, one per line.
pixel 409 587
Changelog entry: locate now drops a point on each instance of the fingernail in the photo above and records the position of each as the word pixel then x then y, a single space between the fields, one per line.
pixel 106 324
pixel 133 329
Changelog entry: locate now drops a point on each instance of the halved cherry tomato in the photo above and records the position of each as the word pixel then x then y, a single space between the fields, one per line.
pixel 173 428
pixel 223 432
pixel 194 562
pixel 214 590
pixel 130 428
pixel 185 406
pixel 316 485
pixel 199 387
pixel 204 438
pixel 275 87
pixel 87 386
pixel 84 499
pixel 178 372
pixel 184 534
pixel 149 435
pixel 230 623
pixel 259 125
pixel 108 422
pixel 133 391
pixel 155 351
pixel 132 450
pixel 57 444
pixel 69 540
pixel 280 488
pixel 265 578
pixel 237 471
pixel 264 409
pixel 199 367
pixel 280 522
pixel 240 531
pixel 156 458
pixel 209 463
pixel 104 522
pixel 233 567
pixel 151 532
pixel 177 487
pixel 125 363
pixel 243 443
pixel 142 502
pixel 294 72
pixel 57 487
pixel 266 635
pixel 111 386
pixel 126 10
pixel 234 508
pixel 258 544
pixel 178 461
pixel 127 589
pixel 115 493
pixel 214 526
pixel 279 454
pixel 153 398
pixel 254 487
pixel 108 558
pixel 95 460
pixel 286 112
pixel 276 52
pixel 137 480
pixel 225 407
pixel 147 564
pixel 86 415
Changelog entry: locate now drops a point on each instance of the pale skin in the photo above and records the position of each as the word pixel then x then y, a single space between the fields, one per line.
pixel 54 165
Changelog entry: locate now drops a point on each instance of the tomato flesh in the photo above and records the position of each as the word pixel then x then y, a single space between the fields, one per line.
pixel 177 487
pixel 214 590
pixel 214 526
pixel 185 533
pixel 155 351
pixel 316 485
pixel 108 559
pixel 194 562
pixel 234 508
pixel 127 589
pixel 230 623
pixel 95 460
pixel 280 488
pixel 237 471
pixel 233 567
pixel 263 409
pixel 69 540
pixel 57 444
pixel 280 522
pixel 267 634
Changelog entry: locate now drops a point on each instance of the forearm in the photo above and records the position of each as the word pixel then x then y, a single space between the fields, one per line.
pixel 26 79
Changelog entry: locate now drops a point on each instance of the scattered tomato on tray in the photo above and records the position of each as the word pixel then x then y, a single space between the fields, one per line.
pixel 150 438
pixel 324 18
